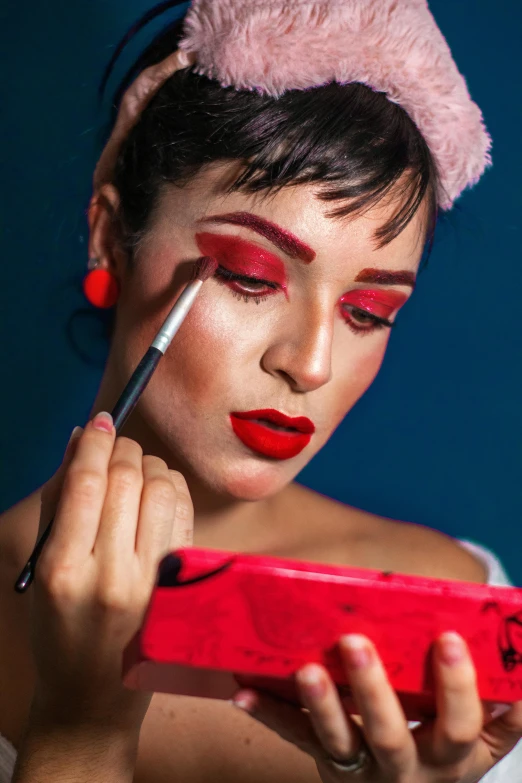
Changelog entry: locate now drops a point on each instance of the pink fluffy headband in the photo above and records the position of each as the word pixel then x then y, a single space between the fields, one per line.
pixel 392 46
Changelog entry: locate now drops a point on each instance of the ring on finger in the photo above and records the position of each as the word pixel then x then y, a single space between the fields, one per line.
pixel 356 765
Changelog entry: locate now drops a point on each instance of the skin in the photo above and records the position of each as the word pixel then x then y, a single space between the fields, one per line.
pixel 296 355
pixel 294 352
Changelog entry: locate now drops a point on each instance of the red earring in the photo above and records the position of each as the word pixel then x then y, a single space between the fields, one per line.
pixel 100 286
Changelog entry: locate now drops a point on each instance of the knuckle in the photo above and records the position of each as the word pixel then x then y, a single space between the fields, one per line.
pixel 387 743
pixel 57 580
pixel 161 492
pixel 461 686
pixel 463 734
pixel 110 598
pixel 84 485
pixel 179 481
pixel 123 475
pixel 150 462
pixel 127 444
pixel 468 676
pixel 184 510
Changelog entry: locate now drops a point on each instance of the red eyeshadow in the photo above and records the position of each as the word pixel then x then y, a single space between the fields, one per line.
pixel 379 303
pixel 243 258
pixel 281 238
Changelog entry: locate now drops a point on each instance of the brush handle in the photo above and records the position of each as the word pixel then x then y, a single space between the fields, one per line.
pixel 135 387
pixel 121 412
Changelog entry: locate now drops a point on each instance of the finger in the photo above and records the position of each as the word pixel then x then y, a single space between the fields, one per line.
pixel 459 710
pixel 502 733
pixel 157 513
pixel 52 489
pixel 77 519
pixel 384 723
pixel 119 518
pixel 183 528
pixel 338 735
pixel 290 722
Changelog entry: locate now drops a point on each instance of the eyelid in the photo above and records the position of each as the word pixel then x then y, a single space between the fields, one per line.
pixel 227 274
pixel 376 318
pixel 241 256
pixel 378 302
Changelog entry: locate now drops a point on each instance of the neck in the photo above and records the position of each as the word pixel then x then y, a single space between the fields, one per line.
pixel 220 522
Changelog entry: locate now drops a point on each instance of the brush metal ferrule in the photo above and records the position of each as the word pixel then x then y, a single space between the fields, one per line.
pixel 176 316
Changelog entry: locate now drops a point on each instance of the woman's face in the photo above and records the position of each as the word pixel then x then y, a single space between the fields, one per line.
pixel 294 324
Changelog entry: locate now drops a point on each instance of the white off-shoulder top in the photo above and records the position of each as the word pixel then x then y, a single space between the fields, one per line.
pixel 508 770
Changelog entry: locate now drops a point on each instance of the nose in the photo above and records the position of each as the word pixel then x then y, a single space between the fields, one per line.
pixel 302 352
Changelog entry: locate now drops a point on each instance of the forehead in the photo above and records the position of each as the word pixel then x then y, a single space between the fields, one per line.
pixel 299 209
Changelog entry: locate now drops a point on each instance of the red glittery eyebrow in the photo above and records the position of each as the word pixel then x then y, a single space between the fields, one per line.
pixel 386 277
pixel 279 237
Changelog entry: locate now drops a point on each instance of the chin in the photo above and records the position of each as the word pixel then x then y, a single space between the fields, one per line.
pixel 254 479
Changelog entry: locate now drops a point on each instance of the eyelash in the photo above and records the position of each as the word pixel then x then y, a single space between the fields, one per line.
pixel 229 277
pixel 225 276
pixel 377 322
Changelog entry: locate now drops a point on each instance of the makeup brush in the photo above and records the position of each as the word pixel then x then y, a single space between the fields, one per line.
pixel 205 268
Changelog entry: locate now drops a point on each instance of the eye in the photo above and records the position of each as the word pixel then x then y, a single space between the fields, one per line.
pixel 246 288
pixel 362 322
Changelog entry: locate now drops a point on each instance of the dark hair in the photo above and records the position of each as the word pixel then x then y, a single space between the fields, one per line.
pixel 350 140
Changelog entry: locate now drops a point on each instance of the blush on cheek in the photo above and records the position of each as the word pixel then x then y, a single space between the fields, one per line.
pixel 357 377
pixel 203 359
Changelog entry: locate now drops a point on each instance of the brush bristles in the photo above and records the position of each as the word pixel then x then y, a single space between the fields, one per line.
pixel 205 268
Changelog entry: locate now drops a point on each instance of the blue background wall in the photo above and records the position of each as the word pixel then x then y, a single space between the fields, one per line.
pixel 446 408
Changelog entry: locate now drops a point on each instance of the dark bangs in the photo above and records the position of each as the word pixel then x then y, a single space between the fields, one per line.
pixel 358 147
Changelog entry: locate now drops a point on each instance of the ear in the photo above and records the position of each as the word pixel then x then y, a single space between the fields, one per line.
pixel 104 234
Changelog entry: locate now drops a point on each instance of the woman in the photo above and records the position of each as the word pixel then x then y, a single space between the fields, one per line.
pixel 317 204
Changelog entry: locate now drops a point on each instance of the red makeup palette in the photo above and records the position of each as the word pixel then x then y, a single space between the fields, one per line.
pixel 219 620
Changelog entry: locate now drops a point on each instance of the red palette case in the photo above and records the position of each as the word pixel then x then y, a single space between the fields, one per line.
pixel 217 620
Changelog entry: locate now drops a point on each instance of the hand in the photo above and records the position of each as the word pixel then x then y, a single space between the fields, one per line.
pixel 118 513
pixel 460 745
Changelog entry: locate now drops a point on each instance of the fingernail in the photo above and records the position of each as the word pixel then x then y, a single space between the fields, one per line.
pixel 312 680
pixel 244 700
pixel 103 421
pixel 77 431
pixel 75 434
pixel 359 654
pixel 453 649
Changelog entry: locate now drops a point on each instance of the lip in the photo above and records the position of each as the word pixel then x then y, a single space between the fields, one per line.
pixel 263 439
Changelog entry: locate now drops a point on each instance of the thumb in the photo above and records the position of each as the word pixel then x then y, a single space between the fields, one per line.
pixel 183 527
pixel 53 488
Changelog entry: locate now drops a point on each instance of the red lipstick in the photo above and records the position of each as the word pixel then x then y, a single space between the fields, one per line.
pixel 243 258
pixel 379 303
pixel 272 433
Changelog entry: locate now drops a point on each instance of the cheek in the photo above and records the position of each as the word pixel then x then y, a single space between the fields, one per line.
pixel 213 357
pixel 354 371
pixel 200 358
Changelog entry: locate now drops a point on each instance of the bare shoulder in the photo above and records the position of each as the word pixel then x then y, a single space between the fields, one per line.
pixel 370 541
pixel 437 554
